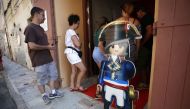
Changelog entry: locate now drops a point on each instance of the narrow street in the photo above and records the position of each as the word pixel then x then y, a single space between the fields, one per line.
pixel 6 101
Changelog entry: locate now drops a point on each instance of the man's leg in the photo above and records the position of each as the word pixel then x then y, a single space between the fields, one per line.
pixel 142 68
pixel 42 79
pixel 52 71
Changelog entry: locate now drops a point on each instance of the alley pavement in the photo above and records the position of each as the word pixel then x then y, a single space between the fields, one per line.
pixel 22 85
pixel 6 101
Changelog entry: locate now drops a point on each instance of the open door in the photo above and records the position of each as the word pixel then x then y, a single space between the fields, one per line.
pixel 170 83
pixel 111 10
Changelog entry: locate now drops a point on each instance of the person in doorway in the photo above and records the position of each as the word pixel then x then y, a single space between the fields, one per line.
pixel 98 52
pixel 127 9
pixel 39 52
pixel 72 51
pixel 145 52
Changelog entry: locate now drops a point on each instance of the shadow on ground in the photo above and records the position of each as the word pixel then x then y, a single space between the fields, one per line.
pixel 6 101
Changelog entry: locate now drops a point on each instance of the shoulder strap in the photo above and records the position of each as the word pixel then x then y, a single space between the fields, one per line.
pixel 72 48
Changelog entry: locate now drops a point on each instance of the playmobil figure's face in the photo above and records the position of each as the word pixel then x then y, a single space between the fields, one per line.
pixel 117 49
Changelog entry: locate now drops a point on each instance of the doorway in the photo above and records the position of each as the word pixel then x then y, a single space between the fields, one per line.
pixel 111 10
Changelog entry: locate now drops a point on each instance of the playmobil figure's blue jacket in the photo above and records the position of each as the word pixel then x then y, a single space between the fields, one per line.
pixel 116 74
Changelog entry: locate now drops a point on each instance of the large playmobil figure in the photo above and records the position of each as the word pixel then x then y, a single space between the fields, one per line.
pixel 117 70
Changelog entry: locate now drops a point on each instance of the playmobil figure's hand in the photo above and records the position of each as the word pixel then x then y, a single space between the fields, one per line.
pixel 99 87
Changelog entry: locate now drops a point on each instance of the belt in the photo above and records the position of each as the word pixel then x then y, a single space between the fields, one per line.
pixel 116 86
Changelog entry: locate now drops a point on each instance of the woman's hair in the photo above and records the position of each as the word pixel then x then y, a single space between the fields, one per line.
pixel 33 11
pixel 142 8
pixel 127 7
pixel 73 19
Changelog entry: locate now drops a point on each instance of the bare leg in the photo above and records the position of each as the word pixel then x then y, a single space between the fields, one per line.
pixel 73 75
pixel 99 65
pixel 41 88
pixel 52 85
pixel 97 89
pixel 82 69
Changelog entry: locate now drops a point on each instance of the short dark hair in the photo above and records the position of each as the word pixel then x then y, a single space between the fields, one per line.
pixel 73 19
pixel 142 8
pixel 35 10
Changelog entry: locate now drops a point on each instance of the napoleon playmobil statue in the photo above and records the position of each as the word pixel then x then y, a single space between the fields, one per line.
pixel 118 69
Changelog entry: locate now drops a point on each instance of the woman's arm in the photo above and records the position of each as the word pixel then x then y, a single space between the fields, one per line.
pixel 137 40
pixel 76 41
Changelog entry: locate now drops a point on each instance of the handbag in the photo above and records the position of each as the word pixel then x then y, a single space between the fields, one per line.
pixel 79 52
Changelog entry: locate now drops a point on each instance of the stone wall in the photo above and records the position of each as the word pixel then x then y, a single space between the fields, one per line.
pixel 16 14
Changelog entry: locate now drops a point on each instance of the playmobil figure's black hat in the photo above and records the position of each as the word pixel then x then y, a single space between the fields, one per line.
pixel 118 32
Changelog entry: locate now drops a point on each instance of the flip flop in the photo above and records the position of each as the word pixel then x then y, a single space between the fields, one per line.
pixel 98 96
pixel 81 89
pixel 73 89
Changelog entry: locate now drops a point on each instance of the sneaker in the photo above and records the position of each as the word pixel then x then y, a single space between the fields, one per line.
pixel 46 99
pixel 55 95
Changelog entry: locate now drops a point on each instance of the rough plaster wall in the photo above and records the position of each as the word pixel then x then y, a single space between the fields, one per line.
pixel 63 8
pixel 3 44
pixel 18 15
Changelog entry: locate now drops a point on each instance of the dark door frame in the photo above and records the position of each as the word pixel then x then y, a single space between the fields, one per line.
pixel 88 45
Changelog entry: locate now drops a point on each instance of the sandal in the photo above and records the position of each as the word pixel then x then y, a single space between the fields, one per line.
pixel 81 89
pixel 98 96
pixel 73 89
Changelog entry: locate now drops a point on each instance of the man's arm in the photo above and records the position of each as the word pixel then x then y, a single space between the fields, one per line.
pixel 35 46
pixel 148 35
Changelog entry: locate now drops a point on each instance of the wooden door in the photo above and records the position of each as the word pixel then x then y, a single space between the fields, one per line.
pixel 88 44
pixel 170 83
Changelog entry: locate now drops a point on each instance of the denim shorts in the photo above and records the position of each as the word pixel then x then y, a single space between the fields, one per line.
pixel 98 56
pixel 46 72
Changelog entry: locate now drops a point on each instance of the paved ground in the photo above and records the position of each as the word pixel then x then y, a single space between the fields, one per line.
pixel 22 85
pixel 6 101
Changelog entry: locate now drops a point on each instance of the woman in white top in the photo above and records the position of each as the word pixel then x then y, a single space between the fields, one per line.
pixel 73 45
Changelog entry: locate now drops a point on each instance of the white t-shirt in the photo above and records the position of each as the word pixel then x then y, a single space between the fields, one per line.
pixel 68 40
